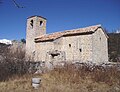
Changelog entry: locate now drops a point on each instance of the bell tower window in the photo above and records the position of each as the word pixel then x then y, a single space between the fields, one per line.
pixel 31 23
pixel 41 23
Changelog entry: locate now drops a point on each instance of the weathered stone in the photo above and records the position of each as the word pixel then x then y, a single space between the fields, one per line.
pixel 89 44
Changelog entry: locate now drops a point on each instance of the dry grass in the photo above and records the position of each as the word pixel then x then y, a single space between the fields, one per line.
pixel 67 79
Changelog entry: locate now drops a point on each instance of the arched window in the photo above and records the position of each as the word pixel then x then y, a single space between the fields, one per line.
pixel 31 23
pixel 41 23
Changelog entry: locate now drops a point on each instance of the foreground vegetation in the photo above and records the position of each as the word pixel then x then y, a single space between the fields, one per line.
pixel 67 79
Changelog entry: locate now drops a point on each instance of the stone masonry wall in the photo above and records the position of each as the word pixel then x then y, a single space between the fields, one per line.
pixel 78 48
pixel 30 34
pixel 84 48
pixel 33 30
pixel 100 46
pixel 42 49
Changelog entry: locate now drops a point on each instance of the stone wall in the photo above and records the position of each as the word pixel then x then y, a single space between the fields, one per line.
pixel 77 48
pixel 42 49
pixel 34 28
pixel 82 48
pixel 71 48
pixel 100 46
pixel 30 35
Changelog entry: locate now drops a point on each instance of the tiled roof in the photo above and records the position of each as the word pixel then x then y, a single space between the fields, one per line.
pixel 53 36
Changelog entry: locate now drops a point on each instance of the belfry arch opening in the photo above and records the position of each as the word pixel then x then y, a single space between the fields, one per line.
pixel 31 23
pixel 41 23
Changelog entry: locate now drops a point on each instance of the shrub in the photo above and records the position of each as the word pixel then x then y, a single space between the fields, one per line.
pixel 12 64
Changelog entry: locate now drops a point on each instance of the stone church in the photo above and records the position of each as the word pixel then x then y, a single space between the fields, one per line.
pixel 81 45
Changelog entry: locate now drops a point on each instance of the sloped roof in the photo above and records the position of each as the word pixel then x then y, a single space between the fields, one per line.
pixel 53 36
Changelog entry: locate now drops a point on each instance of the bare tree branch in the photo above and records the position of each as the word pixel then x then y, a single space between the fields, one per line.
pixel 16 4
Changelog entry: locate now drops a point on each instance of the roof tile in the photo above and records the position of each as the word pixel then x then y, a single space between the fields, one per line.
pixel 53 36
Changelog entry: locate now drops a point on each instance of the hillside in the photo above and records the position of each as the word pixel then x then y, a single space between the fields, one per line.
pixel 114 46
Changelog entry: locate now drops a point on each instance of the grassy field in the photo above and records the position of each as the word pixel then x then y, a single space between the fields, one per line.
pixel 67 79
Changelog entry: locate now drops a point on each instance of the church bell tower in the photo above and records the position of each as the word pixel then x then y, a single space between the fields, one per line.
pixel 36 26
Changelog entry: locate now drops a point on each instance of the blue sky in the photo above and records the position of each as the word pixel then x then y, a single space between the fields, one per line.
pixel 61 15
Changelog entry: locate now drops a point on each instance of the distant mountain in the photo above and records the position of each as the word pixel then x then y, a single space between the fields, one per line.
pixel 5 41
pixel 118 31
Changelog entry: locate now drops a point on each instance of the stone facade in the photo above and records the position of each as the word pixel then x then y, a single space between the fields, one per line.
pixel 81 45
pixel 35 26
pixel 100 46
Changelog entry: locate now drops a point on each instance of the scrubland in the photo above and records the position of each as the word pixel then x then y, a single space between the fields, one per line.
pixel 67 79
pixel 14 76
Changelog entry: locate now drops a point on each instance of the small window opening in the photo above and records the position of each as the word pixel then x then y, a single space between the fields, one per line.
pixel 41 23
pixel 100 38
pixel 31 23
pixel 54 55
pixel 69 45
pixel 80 50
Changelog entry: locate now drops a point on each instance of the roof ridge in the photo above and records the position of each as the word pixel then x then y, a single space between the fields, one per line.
pixel 99 25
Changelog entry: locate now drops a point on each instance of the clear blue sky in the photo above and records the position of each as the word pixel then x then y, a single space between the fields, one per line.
pixel 61 15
